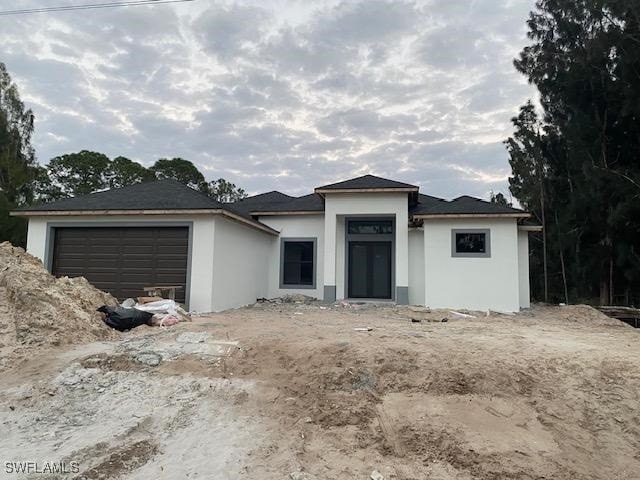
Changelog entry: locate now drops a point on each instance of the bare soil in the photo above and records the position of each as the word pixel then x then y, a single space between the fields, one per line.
pixel 291 390
pixel 38 309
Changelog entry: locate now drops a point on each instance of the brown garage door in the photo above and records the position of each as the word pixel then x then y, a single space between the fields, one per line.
pixel 123 260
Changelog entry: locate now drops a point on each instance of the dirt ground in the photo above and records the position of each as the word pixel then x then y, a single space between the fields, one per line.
pixel 278 391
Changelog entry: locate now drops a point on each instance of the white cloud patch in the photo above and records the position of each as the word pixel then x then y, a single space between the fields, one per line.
pixel 281 95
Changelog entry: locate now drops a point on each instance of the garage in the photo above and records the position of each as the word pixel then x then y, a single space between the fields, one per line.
pixel 123 260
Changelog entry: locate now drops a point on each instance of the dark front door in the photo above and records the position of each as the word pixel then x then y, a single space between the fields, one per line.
pixel 369 270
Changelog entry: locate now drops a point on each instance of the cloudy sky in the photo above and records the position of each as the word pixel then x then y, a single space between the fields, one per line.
pixel 280 94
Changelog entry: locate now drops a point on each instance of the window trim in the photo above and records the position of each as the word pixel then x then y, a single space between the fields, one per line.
pixel 456 254
pixel 287 286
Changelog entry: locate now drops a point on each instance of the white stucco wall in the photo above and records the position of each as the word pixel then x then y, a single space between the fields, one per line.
pixel 341 205
pixel 201 271
pixel 523 269
pixel 240 266
pixel 37 237
pixel 472 283
pixel 295 226
pixel 416 266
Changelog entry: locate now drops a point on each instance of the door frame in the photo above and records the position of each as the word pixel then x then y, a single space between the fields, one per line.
pixel 188 224
pixel 370 238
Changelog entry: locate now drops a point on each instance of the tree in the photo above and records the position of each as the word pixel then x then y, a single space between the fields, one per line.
pixel 585 61
pixel 528 172
pixel 122 172
pixel 17 159
pixel 44 190
pixel 79 173
pixel 499 199
pixel 224 191
pixel 178 169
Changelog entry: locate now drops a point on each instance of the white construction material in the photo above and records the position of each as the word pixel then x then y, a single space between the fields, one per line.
pixel 463 315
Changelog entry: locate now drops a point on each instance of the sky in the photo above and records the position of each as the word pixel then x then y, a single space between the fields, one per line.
pixel 280 95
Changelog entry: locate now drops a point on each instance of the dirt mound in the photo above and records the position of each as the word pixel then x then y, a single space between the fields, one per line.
pixel 38 309
pixel 584 314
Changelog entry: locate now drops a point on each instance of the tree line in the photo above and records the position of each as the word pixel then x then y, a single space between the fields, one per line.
pixel 86 172
pixel 575 157
pixel 24 182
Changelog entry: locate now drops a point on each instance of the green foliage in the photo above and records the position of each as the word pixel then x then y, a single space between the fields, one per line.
pixel 122 172
pixel 223 191
pixel 178 169
pixel 17 159
pixel 499 199
pixel 79 173
pixel 577 167
pixel 86 172
pixel 44 189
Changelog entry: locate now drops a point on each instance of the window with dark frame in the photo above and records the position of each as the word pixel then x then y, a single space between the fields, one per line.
pixel 470 243
pixel 370 227
pixel 298 263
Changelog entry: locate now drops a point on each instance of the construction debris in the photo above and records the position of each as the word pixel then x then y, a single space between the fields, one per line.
pixel 460 314
pixel 124 318
pixel 143 300
pixel 376 475
pixel 626 314
pixel 158 313
pixel 38 309
pixel 290 298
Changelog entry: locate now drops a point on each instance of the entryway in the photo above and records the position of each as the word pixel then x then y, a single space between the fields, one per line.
pixel 369 270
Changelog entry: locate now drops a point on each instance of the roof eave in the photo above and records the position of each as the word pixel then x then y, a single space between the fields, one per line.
pixel 530 228
pixel 425 216
pixel 250 223
pixel 169 211
pixel 288 212
pixel 202 211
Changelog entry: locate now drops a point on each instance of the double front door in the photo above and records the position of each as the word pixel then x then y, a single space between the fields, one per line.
pixel 369 273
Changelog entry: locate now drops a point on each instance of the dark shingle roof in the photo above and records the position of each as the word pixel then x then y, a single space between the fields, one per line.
pixel 159 195
pixel 426 202
pixel 172 195
pixel 279 202
pixel 460 205
pixel 262 202
pixel 308 203
pixel 366 182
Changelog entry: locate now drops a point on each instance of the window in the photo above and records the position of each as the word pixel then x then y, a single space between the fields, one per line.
pixel 369 227
pixel 297 263
pixel 471 243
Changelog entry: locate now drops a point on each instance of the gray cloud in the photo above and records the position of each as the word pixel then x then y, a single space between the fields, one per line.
pixel 274 98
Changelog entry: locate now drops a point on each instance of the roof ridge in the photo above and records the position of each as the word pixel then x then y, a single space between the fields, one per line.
pixel 360 183
pixel 262 194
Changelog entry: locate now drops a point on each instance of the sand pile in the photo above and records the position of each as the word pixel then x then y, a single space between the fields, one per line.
pixel 38 309
pixel 585 314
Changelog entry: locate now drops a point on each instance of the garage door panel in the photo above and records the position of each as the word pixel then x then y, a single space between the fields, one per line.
pixel 123 260
pixel 172 264
pixel 98 277
pixel 172 250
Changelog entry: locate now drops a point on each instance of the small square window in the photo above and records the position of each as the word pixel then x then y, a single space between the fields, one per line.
pixel 470 243
pixel 297 263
